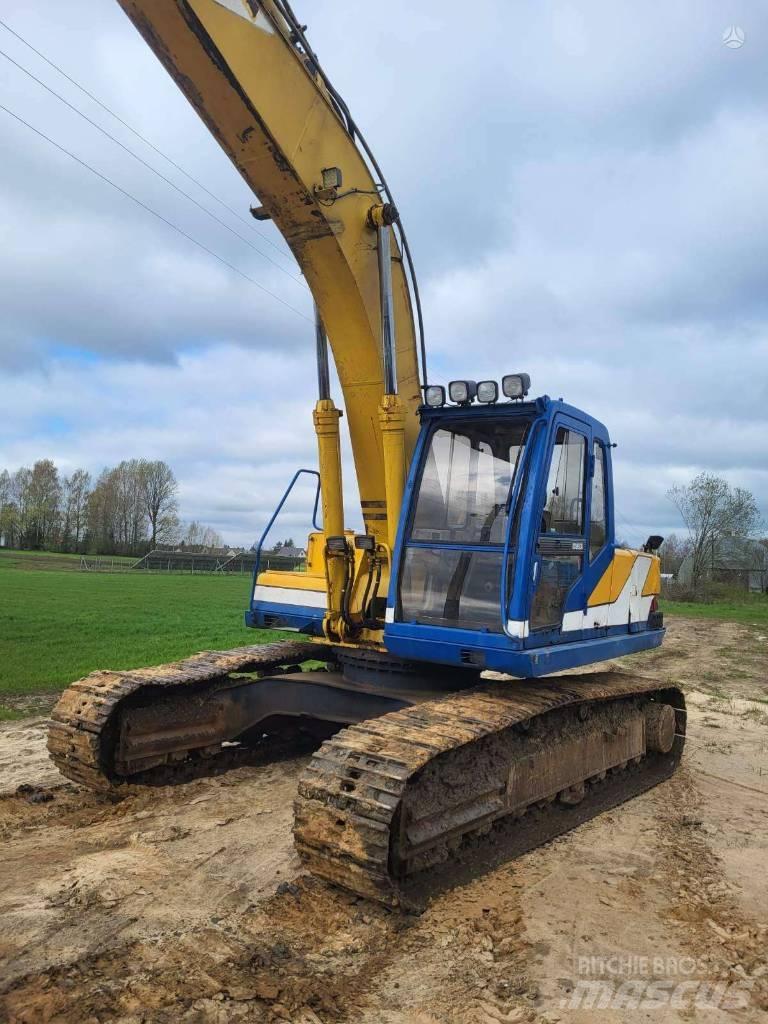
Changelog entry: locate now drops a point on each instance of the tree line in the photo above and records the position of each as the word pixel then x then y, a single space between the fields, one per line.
pixel 128 509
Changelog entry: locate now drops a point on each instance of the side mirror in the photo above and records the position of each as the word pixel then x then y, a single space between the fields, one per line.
pixel 653 543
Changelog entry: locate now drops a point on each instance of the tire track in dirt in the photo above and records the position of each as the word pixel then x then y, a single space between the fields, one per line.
pixel 309 953
pixel 701 904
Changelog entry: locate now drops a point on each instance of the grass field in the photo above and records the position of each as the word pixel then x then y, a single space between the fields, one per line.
pixel 12 559
pixel 751 609
pixel 55 626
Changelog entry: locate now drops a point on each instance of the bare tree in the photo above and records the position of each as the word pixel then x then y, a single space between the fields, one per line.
pixel 169 529
pixel 130 515
pixel 711 509
pixel 21 500
pixel 202 536
pixel 76 490
pixel 192 533
pixel 212 538
pixel 100 515
pixel 7 511
pixel 43 504
pixel 158 490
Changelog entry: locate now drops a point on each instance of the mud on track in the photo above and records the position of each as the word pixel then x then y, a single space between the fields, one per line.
pixel 188 904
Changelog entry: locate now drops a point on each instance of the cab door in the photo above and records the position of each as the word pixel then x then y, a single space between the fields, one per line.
pixel 559 599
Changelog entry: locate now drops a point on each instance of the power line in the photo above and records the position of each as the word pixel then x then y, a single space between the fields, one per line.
pixel 149 166
pixel 154 213
pixel 625 523
pixel 143 138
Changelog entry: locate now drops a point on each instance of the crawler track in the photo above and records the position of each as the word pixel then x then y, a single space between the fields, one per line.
pixel 383 801
pixel 387 805
pixel 82 735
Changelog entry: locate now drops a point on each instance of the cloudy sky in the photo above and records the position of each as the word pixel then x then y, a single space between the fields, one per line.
pixel 585 190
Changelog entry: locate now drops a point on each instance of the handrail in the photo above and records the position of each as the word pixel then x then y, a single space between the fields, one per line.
pixel 275 514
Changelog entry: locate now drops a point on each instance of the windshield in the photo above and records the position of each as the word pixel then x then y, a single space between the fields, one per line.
pixel 465 484
pixel 451 572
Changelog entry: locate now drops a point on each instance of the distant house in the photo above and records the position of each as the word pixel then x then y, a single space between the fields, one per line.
pixel 287 557
pixel 737 561
pixel 289 551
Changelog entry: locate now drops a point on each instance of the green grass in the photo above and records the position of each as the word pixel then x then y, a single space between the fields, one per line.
pixel 11 714
pixel 751 609
pixel 56 626
pixel 64 555
pixel 11 558
pixel 24 553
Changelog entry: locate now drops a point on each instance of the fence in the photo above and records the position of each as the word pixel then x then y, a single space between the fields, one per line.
pixel 199 562
pixel 91 563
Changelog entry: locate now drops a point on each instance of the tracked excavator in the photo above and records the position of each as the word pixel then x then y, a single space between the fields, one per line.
pixel 435 647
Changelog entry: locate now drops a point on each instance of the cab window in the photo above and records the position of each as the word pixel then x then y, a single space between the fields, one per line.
pixel 465 483
pixel 564 505
pixel 451 573
pixel 597 523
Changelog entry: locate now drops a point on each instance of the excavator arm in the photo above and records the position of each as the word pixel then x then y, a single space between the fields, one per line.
pixel 259 91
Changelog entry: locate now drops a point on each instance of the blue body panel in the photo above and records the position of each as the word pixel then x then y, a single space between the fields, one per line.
pixel 494 651
pixel 269 615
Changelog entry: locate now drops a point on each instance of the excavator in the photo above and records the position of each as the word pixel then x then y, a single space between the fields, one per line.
pixel 433 665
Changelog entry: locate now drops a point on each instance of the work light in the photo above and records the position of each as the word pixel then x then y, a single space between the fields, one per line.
pixel 515 385
pixel 487 391
pixel 434 395
pixel 462 391
pixel 331 177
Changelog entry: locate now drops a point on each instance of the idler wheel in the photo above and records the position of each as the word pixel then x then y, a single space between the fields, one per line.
pixel 659 727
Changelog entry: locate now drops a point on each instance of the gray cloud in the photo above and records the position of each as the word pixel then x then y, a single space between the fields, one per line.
pixel 583 186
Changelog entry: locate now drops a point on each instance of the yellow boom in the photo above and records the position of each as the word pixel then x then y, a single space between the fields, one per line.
pixel 261 98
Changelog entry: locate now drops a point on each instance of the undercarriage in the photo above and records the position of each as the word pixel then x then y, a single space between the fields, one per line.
pixel 413 763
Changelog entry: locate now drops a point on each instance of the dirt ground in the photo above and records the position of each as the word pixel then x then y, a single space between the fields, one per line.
pixel 189 905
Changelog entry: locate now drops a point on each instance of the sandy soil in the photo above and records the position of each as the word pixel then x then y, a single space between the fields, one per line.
pixel 188 904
